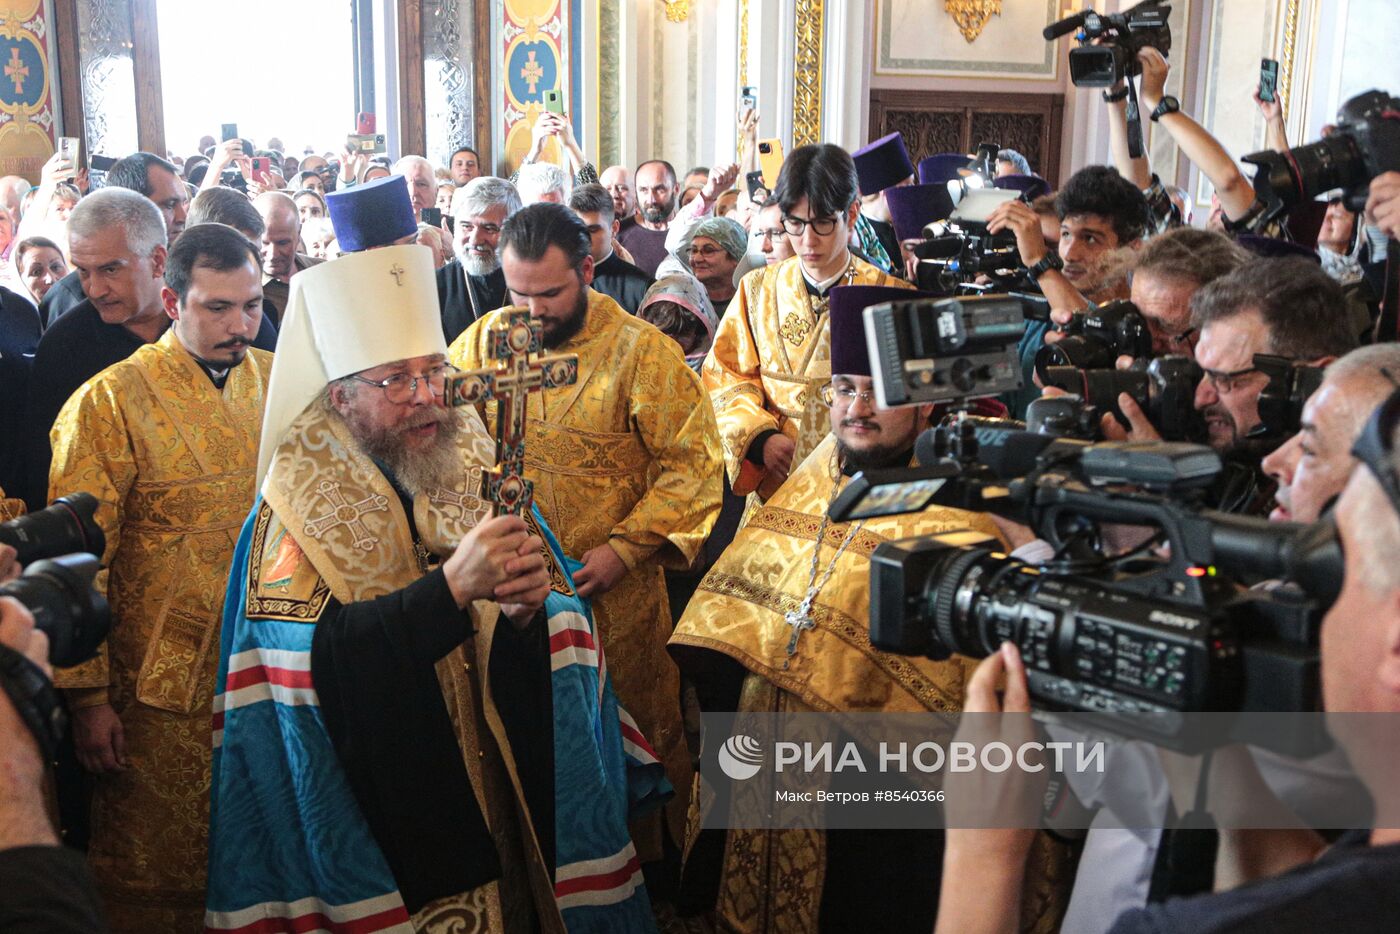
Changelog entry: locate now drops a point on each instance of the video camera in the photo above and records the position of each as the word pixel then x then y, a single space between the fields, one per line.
pixel 945 350
pixel 1122 35
pixel 1138 638
pixel 964 250
pixel 61 548
pixel 1365 143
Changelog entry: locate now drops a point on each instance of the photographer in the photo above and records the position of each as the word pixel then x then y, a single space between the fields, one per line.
pixel 1353 885
pixel 1102 215
pixel 1171 269
pixel 44 887
pixel 1285 307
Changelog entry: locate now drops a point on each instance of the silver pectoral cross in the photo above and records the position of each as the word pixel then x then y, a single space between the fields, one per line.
pixel 800 620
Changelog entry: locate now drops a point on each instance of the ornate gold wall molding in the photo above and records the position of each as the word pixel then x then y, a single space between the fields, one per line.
pixel 807 75
pixel 1288 55
pixel 743 61
pixel 972 15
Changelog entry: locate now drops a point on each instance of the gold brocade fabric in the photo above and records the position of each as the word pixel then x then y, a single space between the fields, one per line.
pixel 628 456
pixel 10 508
pixel 772 880
pixel 326 502
pixel 171 461
pixel 738 609
pixel 771 355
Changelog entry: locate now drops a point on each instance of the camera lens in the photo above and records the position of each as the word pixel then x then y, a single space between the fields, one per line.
pixel 1082 352
pixel 1332 162
pixel 66 608
pixel 65 527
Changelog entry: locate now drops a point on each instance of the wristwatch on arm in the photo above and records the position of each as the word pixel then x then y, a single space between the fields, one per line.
pixel 1047 262
pixel 1167 105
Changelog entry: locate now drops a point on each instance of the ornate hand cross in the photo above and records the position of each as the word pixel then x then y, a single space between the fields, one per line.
pixel 509 384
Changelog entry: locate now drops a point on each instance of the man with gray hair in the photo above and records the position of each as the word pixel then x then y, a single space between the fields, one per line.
pixel 541 181
pixel 117 242
pixel 472 284
pixel 612 275
pixel 1333 417
pixel 147 175
pixel 422 183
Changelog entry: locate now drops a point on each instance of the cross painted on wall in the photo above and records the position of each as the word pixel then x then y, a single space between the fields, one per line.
pixel 16 70
pixel 532 72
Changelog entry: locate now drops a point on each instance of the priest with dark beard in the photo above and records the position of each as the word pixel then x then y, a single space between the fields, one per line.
pixel 472 284
pixel 414 724
pixel 746 650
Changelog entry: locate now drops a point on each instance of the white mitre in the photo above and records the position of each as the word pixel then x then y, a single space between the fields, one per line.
pixel 353 313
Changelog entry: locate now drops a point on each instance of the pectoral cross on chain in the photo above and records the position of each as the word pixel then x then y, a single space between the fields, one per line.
pixel 800 620
pixel 517 373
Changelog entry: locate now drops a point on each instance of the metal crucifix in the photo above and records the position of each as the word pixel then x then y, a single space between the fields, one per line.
pixel 517 373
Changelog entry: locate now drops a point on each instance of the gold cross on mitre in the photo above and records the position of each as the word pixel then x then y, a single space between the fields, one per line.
pixel 517 373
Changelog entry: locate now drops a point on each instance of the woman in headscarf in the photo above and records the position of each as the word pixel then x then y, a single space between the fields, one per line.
pixel 677 304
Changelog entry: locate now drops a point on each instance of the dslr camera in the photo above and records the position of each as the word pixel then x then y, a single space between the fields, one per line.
pixel 61 548
pixel 1120 37
pixel 1281 402
pixel 1365 143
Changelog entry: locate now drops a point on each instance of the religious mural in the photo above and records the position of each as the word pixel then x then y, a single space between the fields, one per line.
pixel 540 41
pixel 28 91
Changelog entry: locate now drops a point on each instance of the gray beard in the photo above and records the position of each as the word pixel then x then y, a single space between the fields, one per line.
pixel 418 472
pixel 475 264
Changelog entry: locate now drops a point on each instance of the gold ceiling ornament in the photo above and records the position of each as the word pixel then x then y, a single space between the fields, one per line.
pixel 972 15
pixel 677 10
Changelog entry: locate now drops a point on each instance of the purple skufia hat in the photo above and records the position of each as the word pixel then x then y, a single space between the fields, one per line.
pixel 371 214
pixel 940 168
pixel 1030 186
pixel 913 206
pixel 882 164
pixel 849 355
pixel 1274 248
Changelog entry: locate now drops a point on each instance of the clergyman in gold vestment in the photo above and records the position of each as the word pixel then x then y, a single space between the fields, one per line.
pixel 167 441
pixel 626 466
pixel 781 624
pixel 771 353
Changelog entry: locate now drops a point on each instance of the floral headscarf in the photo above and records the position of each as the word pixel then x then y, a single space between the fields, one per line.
pixel 687 292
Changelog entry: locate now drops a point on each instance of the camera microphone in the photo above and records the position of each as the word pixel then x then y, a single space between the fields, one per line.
pixel 939 248
pixel 1007 453
pixel 1064 27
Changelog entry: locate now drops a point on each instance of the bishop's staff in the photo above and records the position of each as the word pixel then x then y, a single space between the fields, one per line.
pixel 517 373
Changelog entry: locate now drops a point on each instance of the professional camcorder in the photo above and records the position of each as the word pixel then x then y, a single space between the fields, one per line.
pixel 1120 37
pixel 61 548
pixel 1142 636
pixel 946 350
pixel 1365 143
pixel 1139 637
pixel 964 257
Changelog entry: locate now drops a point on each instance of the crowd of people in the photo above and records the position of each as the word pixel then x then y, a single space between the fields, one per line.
pixel 492 723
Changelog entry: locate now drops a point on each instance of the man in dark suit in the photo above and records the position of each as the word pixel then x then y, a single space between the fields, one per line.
pixel 613 276
pixel 472 284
